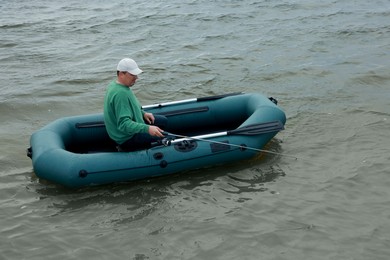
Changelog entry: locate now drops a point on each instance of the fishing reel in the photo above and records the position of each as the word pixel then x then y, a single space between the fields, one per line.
pixel 167 141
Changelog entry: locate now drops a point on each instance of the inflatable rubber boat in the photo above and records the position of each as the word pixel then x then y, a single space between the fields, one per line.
pixel 77 151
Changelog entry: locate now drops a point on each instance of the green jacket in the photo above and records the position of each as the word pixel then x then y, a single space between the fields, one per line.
pixel 123 115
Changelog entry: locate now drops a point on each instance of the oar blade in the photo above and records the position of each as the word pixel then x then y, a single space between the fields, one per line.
pixel 258 129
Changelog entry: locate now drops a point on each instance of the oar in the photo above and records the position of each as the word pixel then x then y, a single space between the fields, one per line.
pixel 254 129
pixel 191 100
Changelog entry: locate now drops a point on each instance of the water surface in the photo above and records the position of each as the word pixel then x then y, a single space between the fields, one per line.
pixel 327 63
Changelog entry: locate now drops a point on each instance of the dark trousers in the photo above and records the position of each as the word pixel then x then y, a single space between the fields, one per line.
pixel 144 140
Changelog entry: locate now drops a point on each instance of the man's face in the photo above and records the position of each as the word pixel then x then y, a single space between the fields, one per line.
pixel 129 79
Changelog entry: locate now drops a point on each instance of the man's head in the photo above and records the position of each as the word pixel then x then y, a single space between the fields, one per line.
pixel 128 71
pixel 129 65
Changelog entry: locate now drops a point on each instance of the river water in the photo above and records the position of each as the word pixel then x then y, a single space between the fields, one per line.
pixel 328 64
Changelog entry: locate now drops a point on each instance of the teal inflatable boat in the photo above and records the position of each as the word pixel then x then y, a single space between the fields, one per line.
pixel 76 151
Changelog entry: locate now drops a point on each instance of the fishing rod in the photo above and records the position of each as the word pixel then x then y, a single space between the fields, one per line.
pixel 249 130
pixel 183 138
pixel 255 129
pixel 203 139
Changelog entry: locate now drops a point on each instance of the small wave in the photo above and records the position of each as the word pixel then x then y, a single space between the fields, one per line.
pixel 16 25
pixel 364 30
pixel 78 81
pixel 8 44
pixel 372 78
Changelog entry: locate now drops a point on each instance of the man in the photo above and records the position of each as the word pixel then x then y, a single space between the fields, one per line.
pixel 126 123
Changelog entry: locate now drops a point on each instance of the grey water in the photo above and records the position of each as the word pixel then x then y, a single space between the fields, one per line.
pixel 327 63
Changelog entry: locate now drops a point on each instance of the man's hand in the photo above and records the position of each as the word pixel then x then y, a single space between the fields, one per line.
pixel 149 118
pixel 155 131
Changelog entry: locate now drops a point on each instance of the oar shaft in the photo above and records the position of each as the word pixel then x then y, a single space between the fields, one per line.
pixel 198 137
pixel 191 100
pixel 170 103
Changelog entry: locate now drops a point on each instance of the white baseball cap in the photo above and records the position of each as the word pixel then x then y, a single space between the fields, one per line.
pixel 128 65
